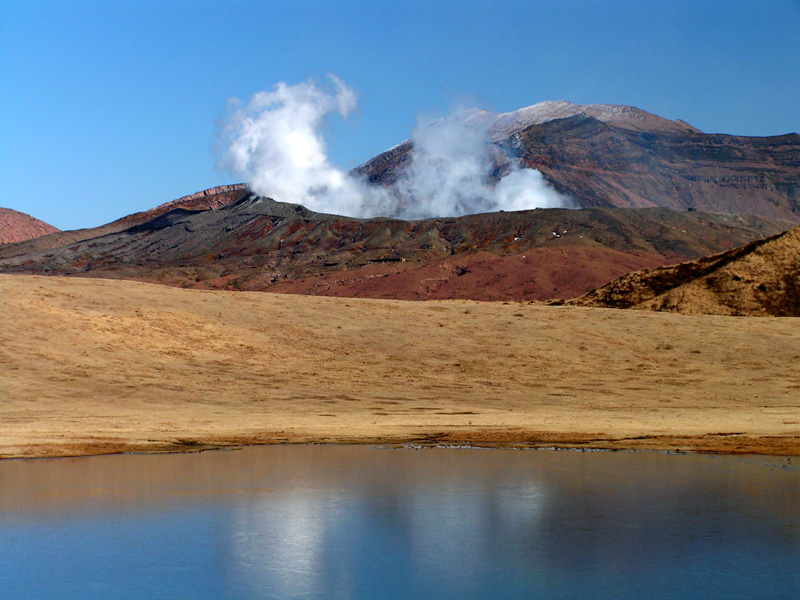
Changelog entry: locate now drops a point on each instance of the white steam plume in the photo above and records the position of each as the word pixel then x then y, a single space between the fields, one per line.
pixel 276 142
pixel 450 170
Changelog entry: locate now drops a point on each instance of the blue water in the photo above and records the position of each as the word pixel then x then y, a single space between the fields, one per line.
pixel 366 522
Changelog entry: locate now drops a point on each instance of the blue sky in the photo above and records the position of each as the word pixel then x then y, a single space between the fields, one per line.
pixel 110 107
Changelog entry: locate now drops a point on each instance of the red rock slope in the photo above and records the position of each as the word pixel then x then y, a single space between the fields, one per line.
pixel 258 244
pixel 17 227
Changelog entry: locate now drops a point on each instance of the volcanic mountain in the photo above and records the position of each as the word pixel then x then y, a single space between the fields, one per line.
pixel 648 187
pixel 17 227
pixel 761 278
pixel 603 155
pixel 231 239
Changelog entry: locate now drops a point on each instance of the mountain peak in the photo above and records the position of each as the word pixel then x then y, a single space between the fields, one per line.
pixel 503 125
pixel 626 117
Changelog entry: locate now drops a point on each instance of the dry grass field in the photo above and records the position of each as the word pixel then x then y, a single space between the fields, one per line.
pixel 96 366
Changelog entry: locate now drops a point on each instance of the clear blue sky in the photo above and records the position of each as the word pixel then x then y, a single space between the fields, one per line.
pixel 109 107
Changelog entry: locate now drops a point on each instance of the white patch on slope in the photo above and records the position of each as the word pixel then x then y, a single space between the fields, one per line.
pixel 627 117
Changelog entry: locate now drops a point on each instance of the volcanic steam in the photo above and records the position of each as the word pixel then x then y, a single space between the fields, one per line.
pixel 276 142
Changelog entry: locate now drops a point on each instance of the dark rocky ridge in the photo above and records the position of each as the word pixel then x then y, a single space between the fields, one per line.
pixel 644 180
pixel 215 197
pixel 256 243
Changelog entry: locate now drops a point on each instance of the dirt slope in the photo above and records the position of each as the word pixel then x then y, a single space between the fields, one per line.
pixel 761 278
pixel 17 227
pixel 92 366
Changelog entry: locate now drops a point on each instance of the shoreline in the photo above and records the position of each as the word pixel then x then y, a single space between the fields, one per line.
pixel 734 444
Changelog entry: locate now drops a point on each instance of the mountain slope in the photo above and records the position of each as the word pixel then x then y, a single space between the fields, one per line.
pixel 607 155
pixel 17 227
pixel 761 278
pixel 259 244
pixel 647 184
pixel 215 197
pixel 92 367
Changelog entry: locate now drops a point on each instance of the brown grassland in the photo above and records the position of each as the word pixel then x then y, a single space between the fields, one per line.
pixel 100 366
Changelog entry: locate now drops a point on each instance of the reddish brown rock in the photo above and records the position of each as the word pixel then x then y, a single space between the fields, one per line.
pixel 212 198
pixel 17 227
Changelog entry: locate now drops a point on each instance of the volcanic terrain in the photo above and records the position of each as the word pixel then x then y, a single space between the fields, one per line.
pixel 212 198
pixel 609 155
pixel 254 243
pixel 644 182
pixel 17 227
pixel 761 278
pixel 93 366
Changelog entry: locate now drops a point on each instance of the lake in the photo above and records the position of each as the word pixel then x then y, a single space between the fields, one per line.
pixel 370 522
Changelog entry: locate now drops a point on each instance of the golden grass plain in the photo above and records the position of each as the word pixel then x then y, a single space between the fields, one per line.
pixel 91 366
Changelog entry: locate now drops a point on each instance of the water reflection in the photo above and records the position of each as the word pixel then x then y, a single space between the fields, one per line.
pixel 395 526
pixel 277 540
pixel 360 522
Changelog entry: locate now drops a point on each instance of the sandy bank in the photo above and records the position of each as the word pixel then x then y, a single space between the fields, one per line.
pixel 94 366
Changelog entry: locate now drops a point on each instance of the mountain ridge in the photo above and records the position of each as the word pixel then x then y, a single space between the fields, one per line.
pixel 614 155
pixel 653 192
pixel 255 243
pixel 628 117
pixel 211 198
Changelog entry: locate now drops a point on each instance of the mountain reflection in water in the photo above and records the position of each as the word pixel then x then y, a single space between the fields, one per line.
pixel 365 522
